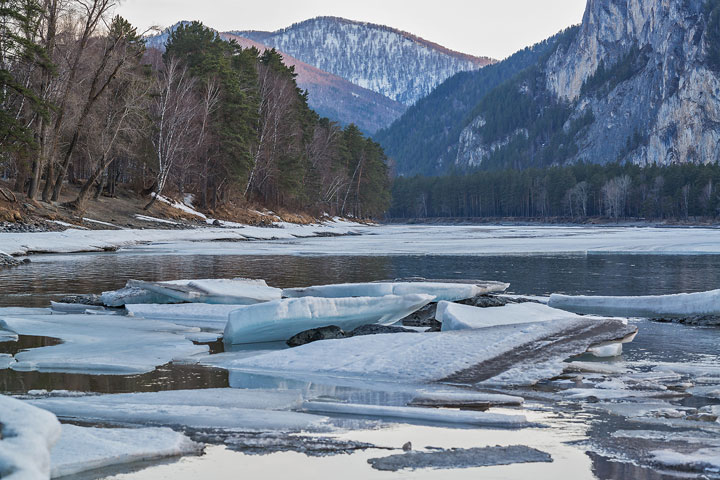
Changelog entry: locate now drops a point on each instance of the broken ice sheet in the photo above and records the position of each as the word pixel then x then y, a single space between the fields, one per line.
pixel 464 317
pixel 224 408
pixel 26 435
pixel 100 344
pixel 237 291
pixel 280 320
pixel 441 291
pixel 80 449
pixel 429 415
pixel 682 304
pixel 190 314
pixel 509 355
pixel 695 461
pixel 460 458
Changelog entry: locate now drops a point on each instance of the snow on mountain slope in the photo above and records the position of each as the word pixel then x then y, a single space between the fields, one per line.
pixel 336 98
pixel 393 63
pixel 329 95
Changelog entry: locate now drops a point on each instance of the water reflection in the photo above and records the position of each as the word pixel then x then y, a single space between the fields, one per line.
pixel 48 277
pixel 166 377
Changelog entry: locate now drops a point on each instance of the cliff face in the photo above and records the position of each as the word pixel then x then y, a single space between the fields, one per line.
pixel 640 70
pixel 395 64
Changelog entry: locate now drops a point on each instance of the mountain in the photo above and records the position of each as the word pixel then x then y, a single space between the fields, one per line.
pixel 425 139
pixel 329 95
pixel 393 63
pixel 637 82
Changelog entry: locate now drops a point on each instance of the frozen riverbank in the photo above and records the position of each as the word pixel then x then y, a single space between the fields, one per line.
pixel 352 239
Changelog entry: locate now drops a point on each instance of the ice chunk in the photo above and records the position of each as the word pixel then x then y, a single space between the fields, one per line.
pixel 509 355
pixel 100 344
pixel 682 304
pixel 201 315
pixel 238 291
pixel 460 458
pixel 463 317
pixel 697 461
pixel 132 295
pixel 433 415
pixel 606 351
pixel 464 398
pixel 28 433
pixel 73 307
pixel 281 319
pixel 441 291
pixel 6 360
pixel 594 367
pixel 225 408
pixel 81 449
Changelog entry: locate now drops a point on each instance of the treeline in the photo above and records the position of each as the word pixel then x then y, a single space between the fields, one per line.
pixel 83 101
pixel 579 191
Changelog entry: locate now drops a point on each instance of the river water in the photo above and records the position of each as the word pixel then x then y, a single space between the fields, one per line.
pixel 49 277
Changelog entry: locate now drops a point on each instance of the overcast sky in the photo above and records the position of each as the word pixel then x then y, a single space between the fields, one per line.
pixel 494 28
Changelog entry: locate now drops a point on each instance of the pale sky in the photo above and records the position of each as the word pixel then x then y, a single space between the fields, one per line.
pixel 494 28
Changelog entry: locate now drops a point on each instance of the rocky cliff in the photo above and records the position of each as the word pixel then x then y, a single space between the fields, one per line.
pixel 636 83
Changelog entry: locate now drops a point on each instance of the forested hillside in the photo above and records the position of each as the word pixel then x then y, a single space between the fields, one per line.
pixel 89 104
pixel 425 139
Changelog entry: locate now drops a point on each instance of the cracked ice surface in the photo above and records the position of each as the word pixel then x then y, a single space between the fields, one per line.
pixel 100 344
pixel 512 355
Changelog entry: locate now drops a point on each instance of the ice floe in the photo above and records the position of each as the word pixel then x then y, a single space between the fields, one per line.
pixel 27 434
pixel 281 319
pixel 80 449
pixel 100 344
pixel 454 316
pixel 509 355
pixel 237 291
pixel 682 304
pixel 464 398
pixel 441 291
pixel 696 461
pixel 226 408
pixel 190 314
pixel 433 415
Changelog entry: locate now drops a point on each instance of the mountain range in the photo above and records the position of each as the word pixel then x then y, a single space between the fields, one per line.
pixel 356 72
pixel 638 81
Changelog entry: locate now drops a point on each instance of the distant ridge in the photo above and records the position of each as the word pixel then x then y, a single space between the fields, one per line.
pixel 394 63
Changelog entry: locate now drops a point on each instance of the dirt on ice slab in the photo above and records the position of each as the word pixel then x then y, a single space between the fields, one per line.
pixel 460 458
pixel 541 353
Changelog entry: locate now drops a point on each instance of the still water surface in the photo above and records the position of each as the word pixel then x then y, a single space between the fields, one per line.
pixel 50 277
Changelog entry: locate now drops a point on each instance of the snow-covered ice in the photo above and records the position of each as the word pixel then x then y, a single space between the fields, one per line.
pixel 679 305
pixel 27 435
pixel 226 408
pixel 441 291
pixel 433 415
pixel 80 449
pixel 696 461
pixel 518 354
pixel 281 319
pixel 100 344
pixel 237 291
pixel 463 317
